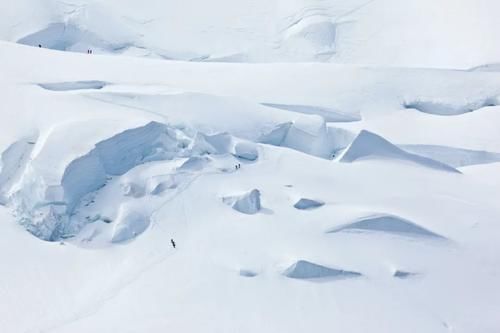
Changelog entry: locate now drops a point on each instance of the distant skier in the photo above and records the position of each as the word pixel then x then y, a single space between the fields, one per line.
pixel 39 45
pixel 173 243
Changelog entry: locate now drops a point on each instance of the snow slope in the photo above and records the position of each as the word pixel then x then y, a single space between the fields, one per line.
pixel 229 269
pixel 417 33
pixel 301 196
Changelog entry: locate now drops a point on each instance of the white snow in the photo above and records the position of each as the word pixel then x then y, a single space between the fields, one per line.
pixel 247 203
pixel 303 269
pixel 246 150
pixel 368 145
pixel 389 224
pixel 306 204
pixel 320 165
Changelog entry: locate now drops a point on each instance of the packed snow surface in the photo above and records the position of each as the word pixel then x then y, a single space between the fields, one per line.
pixel 249 166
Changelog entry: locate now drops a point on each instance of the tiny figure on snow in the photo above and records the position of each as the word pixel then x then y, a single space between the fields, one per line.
pixel 173 243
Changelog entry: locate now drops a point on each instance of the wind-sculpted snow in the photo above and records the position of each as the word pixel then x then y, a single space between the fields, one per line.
pixel 455 157
pixel 368 145
pixel 388 224
pixel 171 189
pixel 449 109
pixel 303 269
pixel 76 85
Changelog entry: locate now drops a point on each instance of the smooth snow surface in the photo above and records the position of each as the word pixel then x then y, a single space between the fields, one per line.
pixel 249 166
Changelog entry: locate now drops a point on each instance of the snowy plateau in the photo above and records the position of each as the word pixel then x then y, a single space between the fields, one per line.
pixel 250 166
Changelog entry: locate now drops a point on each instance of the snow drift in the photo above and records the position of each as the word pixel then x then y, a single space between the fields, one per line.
pixel 368 145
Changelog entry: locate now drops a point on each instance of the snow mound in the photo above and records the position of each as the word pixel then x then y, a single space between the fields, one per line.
pixel 248 203
pixel 388 224
pixel 129 225
pixel 455 157
pixel 303 269
pixel 246 150
pixel 329 114
pixel 307 204
pixel 448 109
pixel 76 85
pixel 368 145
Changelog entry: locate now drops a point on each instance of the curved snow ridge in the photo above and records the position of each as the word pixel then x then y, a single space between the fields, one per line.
pixel 455 157
pixel 388 224
pixel 73 85
pixel 45 210
pixel 329 114
pixel 368 145
pixel 450 109
pixel 306 270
